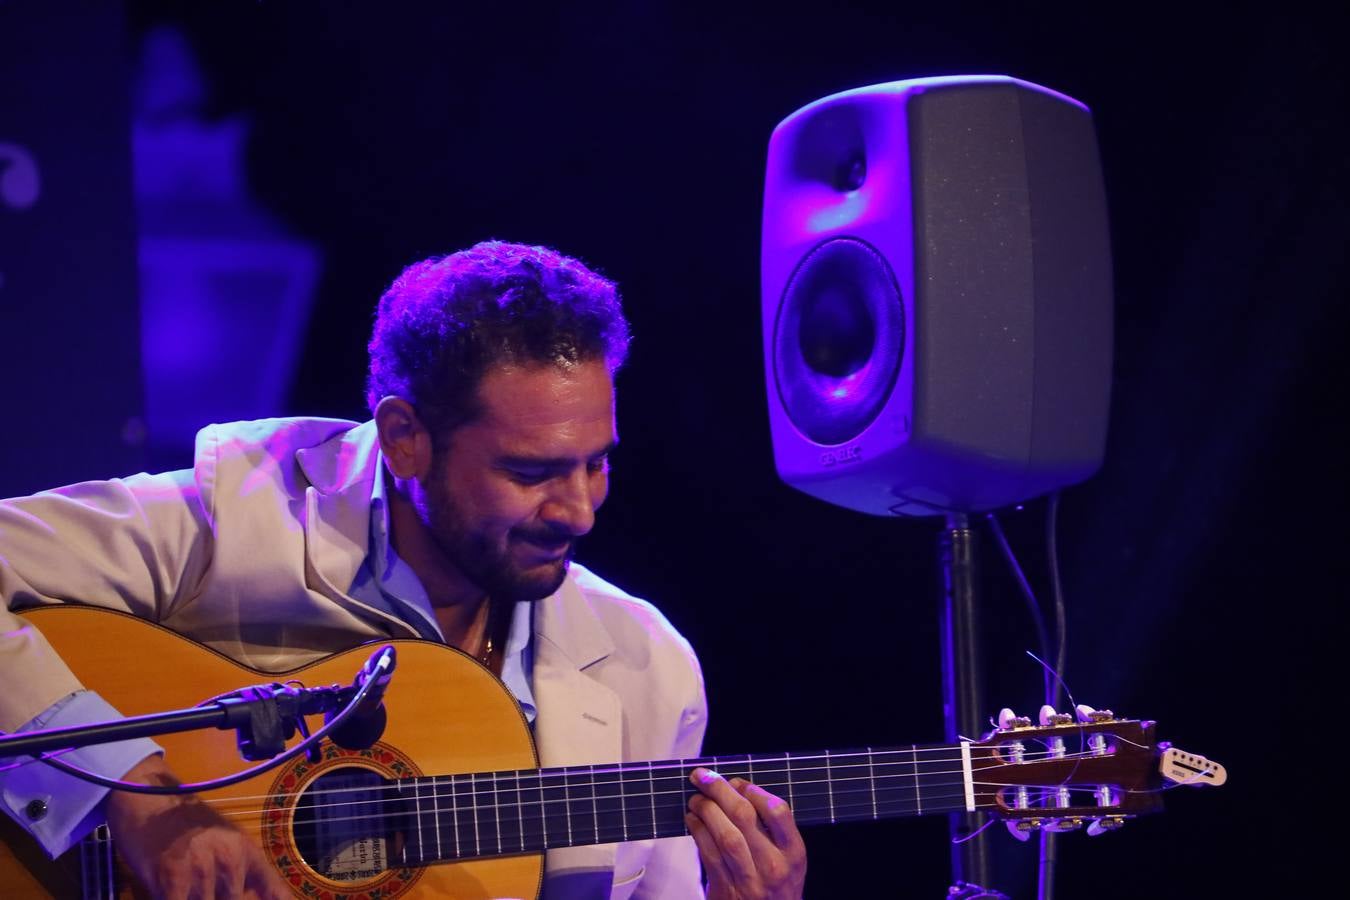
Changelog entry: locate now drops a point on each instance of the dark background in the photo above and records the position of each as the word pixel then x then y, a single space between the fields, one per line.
pixel 1201 566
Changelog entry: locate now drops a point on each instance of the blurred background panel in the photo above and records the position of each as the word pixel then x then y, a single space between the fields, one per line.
pixel 69 314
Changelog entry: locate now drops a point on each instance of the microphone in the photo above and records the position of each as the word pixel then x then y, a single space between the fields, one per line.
pixel 366 723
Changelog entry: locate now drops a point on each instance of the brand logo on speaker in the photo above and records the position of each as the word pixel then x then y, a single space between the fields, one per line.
pixel 839 457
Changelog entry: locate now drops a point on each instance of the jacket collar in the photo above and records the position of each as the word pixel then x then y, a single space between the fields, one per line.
pixel 341 473
pixel 568 622
pixel 346 462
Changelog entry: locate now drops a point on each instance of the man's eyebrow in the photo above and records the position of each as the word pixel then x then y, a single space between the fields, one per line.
pixel 552 462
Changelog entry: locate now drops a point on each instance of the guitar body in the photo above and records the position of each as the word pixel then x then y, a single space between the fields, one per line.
pixel 446 714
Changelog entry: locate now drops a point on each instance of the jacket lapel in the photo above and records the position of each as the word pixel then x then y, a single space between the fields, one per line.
pixel 341 473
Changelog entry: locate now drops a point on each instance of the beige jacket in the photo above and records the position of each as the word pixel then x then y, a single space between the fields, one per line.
pixel 249 553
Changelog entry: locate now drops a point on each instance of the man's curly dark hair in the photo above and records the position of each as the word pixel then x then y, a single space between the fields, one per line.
pixel 445 321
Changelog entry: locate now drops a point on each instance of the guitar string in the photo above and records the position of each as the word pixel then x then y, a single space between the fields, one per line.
pixel 665 769
pixel 607 829
pixel 491 796
pixel 890 804
pixel 494 796
pixel 531 781
pixel 611 830
pixel 655 799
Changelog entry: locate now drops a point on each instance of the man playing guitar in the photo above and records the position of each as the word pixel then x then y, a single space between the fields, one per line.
pixel 452 516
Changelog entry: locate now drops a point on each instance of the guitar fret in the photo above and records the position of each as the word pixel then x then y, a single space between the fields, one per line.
pixel 457 812
pixel 417 802
pixel 651 795
pixel 918 798
pixel 872 782
pixel 496 812
pixel 436 815
pixel 520 811
pixel 567 805
pixel 543 813
pixel 829 784
pixel 623 806
pixel 595 809
pixel 473 794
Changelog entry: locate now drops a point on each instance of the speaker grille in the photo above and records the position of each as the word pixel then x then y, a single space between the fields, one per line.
pixel 838 340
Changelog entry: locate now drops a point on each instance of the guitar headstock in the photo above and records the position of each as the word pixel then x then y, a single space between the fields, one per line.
pixel 1063 774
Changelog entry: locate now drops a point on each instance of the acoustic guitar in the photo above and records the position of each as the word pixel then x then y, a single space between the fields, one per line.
pixel 451 801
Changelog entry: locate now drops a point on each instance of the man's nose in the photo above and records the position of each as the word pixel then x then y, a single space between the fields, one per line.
pixel 575 499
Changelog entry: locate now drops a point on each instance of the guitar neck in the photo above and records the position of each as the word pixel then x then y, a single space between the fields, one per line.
pixel 465 816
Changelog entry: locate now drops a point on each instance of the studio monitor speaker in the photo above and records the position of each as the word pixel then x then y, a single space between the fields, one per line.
pixel 936 278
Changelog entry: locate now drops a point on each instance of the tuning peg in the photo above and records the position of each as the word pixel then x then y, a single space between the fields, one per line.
pixel 1050 718
pixel 1105 824
pixel 1009 720
pixel 1071 823
pixel 1088 715
pixel 1022 828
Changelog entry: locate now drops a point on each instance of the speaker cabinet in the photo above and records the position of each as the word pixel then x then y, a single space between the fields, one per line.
pixel 936 278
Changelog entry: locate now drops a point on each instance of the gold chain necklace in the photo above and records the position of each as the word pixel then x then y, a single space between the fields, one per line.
pixel 486 657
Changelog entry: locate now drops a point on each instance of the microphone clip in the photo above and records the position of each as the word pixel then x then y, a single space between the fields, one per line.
pixel 264 717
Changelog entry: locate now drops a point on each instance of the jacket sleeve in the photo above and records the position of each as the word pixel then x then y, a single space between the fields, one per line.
pixel 137 545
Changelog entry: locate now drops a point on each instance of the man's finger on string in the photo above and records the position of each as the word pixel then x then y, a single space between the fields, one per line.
pixel 729 818
pixel 775 815
pixel 708 850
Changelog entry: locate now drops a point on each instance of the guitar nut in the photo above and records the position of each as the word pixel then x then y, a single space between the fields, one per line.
pixel 36 810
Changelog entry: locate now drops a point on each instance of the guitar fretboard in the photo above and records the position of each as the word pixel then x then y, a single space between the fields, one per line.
pixel 493 813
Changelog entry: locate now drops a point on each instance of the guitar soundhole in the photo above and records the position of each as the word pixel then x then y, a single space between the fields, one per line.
pixel 348 824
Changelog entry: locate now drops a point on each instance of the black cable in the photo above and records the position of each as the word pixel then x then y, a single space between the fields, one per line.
pixel 1048 854
pixel 1057 589
pixel 1053 686
pixel 1033 606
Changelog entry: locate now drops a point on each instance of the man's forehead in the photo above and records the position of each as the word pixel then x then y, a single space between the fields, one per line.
pixel 548 402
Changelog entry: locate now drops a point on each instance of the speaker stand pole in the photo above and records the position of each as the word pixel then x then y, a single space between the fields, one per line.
pixel 962 690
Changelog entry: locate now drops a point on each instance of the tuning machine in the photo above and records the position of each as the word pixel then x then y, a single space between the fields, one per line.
pixel 1105 824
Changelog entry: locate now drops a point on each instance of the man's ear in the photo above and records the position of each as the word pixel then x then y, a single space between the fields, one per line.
pixel 406 442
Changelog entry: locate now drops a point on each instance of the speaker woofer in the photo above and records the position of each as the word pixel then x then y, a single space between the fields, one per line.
pixel 838 340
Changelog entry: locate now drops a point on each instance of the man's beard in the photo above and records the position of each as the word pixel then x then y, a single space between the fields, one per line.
pixel 487 563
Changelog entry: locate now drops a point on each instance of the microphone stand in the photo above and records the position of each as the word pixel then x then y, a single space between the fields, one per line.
pixel 963 694
pixel 264 717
